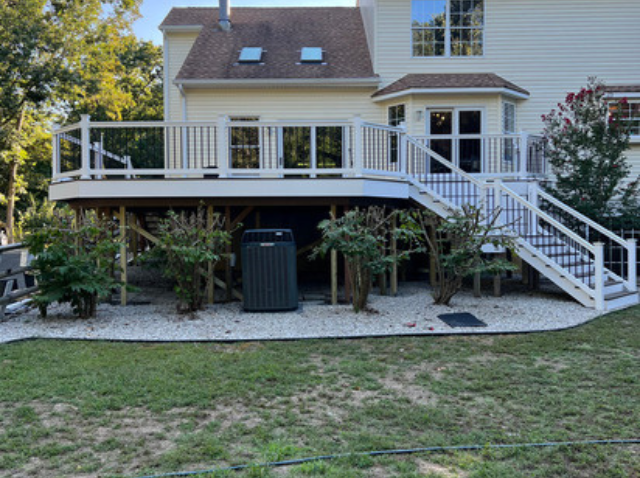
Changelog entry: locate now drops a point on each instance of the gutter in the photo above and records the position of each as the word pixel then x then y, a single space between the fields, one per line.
pixel 280 82
pixel 450 91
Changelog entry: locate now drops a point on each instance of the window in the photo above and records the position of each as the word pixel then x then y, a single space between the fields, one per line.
pixel 396 115
pixel 629 114
pixel 250 55
pixel 508 118
pixel 311 55
pixel 447 28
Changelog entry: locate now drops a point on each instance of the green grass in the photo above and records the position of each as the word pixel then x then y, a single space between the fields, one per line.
pixel 88 409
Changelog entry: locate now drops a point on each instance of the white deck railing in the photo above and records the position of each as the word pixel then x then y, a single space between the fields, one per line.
pixel 226 149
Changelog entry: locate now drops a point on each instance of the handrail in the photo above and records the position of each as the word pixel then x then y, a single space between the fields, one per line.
pixel 385 127
pixel 11 247
pixel 443 161
pixel 67 129
pixel 543 215
pixel 581 217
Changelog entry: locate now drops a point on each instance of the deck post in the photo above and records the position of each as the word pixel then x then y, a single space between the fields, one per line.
pixel 228 250
pixel 222 152
pixel 358 160
pixel 55 149
pixel 394 252
pixel 633 271
pixel 134 237
pixel 477 285
pixel 524 153
pixel 123 255
pixel 334 265
pixel 403 148
pixel 598 259
pixel 433 275
pixel 85 126
pixel 210 272
pixel 497 200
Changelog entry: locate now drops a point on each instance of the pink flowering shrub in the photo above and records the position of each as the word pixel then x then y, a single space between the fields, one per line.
pixel 586 141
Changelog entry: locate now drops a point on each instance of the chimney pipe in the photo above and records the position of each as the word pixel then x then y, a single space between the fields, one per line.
pixel 225 15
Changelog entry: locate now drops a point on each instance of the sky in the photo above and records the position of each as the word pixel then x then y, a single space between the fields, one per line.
pixel 154 11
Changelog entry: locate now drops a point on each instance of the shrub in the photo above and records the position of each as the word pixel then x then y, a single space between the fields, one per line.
pixel 362 236
pixel 187 243
pixel 456 243
pixel 73 260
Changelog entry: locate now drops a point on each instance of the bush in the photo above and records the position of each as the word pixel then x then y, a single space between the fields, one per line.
pixel 456 243
pixel 187 244
pixel 362 236
pixel 73 258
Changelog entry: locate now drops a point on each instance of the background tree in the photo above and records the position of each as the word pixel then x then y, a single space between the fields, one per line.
pixel 586 141
pixel 58 59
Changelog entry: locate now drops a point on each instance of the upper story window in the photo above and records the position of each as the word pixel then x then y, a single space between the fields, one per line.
pixel 447 28
pixel 629 114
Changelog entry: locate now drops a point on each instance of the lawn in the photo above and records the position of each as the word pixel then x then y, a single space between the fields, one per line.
pixel 125 410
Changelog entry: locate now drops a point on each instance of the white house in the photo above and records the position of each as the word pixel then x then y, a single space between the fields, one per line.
pixel 433 103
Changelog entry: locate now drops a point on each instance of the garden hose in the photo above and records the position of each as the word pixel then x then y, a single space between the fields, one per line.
pixel 409 451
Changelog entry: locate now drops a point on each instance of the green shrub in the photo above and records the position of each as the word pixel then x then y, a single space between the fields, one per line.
pixel 73 260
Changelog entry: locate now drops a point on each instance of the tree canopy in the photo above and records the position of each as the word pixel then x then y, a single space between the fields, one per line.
pixel 59 59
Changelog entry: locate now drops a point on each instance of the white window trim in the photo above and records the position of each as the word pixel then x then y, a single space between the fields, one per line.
pixel 515 116
pixel 632 98
pixel 447 43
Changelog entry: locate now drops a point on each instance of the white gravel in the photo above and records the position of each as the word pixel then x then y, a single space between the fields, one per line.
pixel 516 311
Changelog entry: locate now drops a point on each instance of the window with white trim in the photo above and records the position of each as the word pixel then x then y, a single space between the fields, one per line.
pixel 244 143
pixel 396 116
pixel 508 117
pixel 447 28
pixel 629 114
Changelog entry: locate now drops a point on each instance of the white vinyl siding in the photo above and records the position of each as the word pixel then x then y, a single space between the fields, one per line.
pixel 368 10
pixel 179 45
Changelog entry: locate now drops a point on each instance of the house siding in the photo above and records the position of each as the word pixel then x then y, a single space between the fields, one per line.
pixel 548 47
pixel 369 17
pixel 284 104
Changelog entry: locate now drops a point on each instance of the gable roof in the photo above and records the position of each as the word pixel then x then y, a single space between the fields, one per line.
pixel 447 82
pixel 282 33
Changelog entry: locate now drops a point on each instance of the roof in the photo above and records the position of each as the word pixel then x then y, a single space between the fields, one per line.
pixel 433 81
pixel 623 88
pixel 282 33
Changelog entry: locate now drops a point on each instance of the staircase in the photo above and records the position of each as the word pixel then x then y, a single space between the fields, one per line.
pixel 551 237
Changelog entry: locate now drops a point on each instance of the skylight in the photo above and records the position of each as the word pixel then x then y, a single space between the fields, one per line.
pixel 311 55
pixel 251 55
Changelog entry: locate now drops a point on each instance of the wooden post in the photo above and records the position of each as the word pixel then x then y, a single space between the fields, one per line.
pixel 334 266
pixel 347 274
pixel 123 255
pixel 477 285
pixel 382 283
pixel 394 252
pixel 433 276
pixel 228 273
pixel 211 286
pixel 258 221
pixel 497 283
pixel 134 237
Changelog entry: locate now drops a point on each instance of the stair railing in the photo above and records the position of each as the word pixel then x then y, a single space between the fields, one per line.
pixel 593 232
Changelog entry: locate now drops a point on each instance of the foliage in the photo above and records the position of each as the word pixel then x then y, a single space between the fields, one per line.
pixel 586 141
pixel 456 243
pixel 36 216
pixel 60 59
pixel 73 260
pixel 362 236
pixel 188 242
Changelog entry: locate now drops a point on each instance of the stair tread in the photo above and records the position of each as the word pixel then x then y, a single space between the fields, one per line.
pixel 618 295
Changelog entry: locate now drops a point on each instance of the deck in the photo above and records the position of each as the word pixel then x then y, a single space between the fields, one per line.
pixel 252 159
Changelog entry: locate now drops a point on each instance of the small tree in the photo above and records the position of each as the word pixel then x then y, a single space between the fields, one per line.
pixel 456 243
pixel 586 141
pixel 188 242
pixel 362 236
pixel 73 258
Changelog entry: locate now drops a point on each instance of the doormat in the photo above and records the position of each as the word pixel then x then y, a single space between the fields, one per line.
pixel 462 319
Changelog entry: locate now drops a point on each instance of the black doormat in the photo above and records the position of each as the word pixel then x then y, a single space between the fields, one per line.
pixel 463 319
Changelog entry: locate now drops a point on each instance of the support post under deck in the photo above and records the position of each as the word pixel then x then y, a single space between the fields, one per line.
pixel 334 265
pixel 123 255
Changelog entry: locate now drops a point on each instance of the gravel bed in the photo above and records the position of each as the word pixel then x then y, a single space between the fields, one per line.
pixel 409 313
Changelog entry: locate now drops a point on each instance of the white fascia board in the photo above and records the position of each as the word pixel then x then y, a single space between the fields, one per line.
pixel 623 95
pixel 181 28
pixel 281 83
pixel 452 91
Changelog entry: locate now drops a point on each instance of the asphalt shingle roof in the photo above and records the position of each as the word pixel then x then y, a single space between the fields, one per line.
pixel 282 33
pixel 449 80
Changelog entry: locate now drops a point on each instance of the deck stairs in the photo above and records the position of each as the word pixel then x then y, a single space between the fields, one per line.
pixel 550 236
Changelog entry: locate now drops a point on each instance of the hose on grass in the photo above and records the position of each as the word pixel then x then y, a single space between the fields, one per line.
pixel 408 451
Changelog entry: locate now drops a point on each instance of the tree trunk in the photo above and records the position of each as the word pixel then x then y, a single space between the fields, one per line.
pixel 12 187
